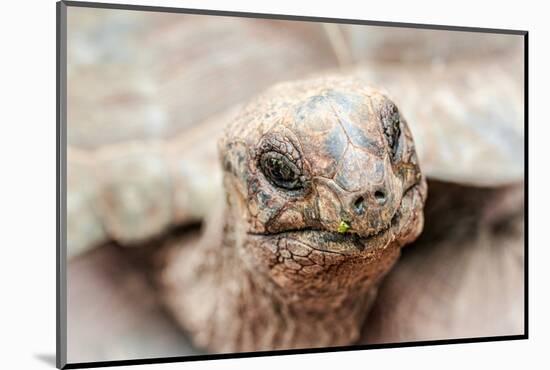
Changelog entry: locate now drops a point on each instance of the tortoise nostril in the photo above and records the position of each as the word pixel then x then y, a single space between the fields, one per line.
pixel 359 206
pixel 380 197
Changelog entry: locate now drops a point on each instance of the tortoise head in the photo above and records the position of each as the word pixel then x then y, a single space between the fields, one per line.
pixel 323 185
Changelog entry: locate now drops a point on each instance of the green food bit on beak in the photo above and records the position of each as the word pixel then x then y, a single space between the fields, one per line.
pixel 343 227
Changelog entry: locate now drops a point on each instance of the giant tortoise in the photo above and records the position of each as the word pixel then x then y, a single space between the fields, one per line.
pixel 279 223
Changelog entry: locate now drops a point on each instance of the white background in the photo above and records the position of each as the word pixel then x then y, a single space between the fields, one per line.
pixel 27 192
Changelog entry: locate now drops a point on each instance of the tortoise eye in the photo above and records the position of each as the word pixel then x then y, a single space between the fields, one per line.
pixel 391 126
pixel 280 170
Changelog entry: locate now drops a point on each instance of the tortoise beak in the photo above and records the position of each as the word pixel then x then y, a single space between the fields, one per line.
pixel 364 212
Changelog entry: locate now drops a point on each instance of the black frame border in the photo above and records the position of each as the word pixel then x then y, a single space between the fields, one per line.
pixel 61 183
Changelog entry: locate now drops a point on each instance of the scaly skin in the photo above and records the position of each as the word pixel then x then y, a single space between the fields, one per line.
pixel 274 269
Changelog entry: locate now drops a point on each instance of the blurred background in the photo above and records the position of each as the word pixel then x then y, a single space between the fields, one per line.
pixel 137 80
pixel 154 74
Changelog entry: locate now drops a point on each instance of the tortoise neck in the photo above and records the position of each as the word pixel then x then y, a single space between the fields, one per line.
pixel 228 304
pixel 264 316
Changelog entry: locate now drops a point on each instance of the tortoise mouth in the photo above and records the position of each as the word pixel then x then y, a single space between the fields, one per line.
pixel 333 242
pixel 346 243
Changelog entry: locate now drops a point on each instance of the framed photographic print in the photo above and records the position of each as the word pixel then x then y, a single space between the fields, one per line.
pixel 235 184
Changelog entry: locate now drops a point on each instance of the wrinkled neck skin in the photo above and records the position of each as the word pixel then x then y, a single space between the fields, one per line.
pixel 228 302
pixel 273 317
